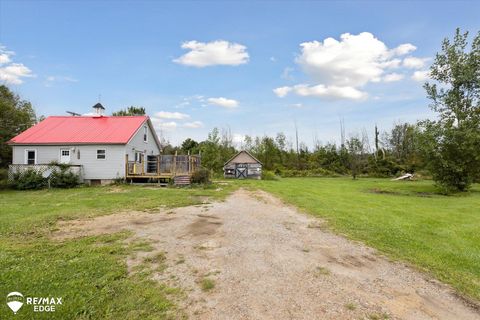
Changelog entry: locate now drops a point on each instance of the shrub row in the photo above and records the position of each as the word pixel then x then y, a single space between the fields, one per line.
pixel 30 179
pixel 319 172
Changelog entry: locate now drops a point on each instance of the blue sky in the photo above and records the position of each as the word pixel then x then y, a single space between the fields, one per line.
pixel 237 65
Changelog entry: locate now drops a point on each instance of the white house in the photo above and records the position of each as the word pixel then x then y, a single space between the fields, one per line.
pixel 99 146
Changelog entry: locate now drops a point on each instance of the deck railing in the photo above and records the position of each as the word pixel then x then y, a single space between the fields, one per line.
pixel 162 166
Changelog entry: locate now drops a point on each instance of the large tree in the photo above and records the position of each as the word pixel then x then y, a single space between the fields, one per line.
pixel 402 145
pixel 356 155
pixel 16 115
pixel 189 146
pixel 451 144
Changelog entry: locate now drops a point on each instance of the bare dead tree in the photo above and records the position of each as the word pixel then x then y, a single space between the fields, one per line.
pixel 342 133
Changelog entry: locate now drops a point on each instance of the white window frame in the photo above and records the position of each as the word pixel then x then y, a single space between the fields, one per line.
pixel 138 155
pixel 26 155
pixel 104 153
pixel 69 154
pixel 145 134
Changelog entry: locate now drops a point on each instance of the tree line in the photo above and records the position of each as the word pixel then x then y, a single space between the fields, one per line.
pixel 397 151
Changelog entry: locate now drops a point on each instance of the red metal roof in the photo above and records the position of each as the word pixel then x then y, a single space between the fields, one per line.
pixel 81 130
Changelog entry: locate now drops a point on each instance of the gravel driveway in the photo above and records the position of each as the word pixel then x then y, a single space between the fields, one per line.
pixel 266 260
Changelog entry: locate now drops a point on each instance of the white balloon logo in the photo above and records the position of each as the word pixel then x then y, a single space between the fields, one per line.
pixel 15 301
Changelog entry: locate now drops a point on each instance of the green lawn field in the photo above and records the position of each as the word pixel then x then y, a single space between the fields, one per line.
pixel 90 273
pixel 405 220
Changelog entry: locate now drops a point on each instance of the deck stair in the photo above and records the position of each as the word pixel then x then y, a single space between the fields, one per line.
pixel 181 180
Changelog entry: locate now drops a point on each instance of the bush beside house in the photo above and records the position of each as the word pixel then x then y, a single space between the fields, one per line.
pixel 61 176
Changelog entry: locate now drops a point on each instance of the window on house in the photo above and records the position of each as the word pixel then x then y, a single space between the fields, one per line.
pixel 138 156
pixel 78 154
pixel 101 154
pixel 31 156
pixel 145 134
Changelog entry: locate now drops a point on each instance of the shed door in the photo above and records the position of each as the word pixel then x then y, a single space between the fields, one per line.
pixel 241 171
pixel 64 155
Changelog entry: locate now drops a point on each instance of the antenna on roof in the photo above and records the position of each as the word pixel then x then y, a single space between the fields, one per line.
pixel 73 113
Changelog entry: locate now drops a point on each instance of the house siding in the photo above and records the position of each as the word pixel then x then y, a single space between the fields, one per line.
pixel 110 168
pixel 136 143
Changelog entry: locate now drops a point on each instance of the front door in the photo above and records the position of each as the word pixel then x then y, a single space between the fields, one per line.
pixel 65 155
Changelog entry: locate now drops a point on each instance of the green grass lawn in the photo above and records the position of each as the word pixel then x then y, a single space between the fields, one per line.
pixel 89 273
pixel 405 220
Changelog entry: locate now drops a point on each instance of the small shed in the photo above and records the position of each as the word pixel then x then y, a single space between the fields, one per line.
pixel 242 166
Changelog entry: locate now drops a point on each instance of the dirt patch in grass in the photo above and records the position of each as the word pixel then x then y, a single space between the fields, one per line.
pixel 253 257
pixel 396 193
pixel 424 194
pixel 204 226
pixel 381 191
pixel 117 189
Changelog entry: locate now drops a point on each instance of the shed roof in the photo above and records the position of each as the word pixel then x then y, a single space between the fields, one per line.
pixel 239 153
pixel 82 130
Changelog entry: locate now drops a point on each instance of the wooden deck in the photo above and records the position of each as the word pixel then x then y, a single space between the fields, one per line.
pixel 161 166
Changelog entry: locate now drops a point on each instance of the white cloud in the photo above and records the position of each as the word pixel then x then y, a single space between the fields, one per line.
pixel 332 92
pixel 186 102
pixel 404 49
pixel 171 115
pixel 282 91
pixel 168 125
pixel 168 121
pixel 51 80
pixel 422 75
pixel 4 58
pixel 392 77
pixel 193 125
pixel 354 61
pixel 223 102
pixel 414 62
pixel 160 124
pixel 12 73
pixel 323 91
pixel 220 52
pixel 340 68
pixel 61 78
